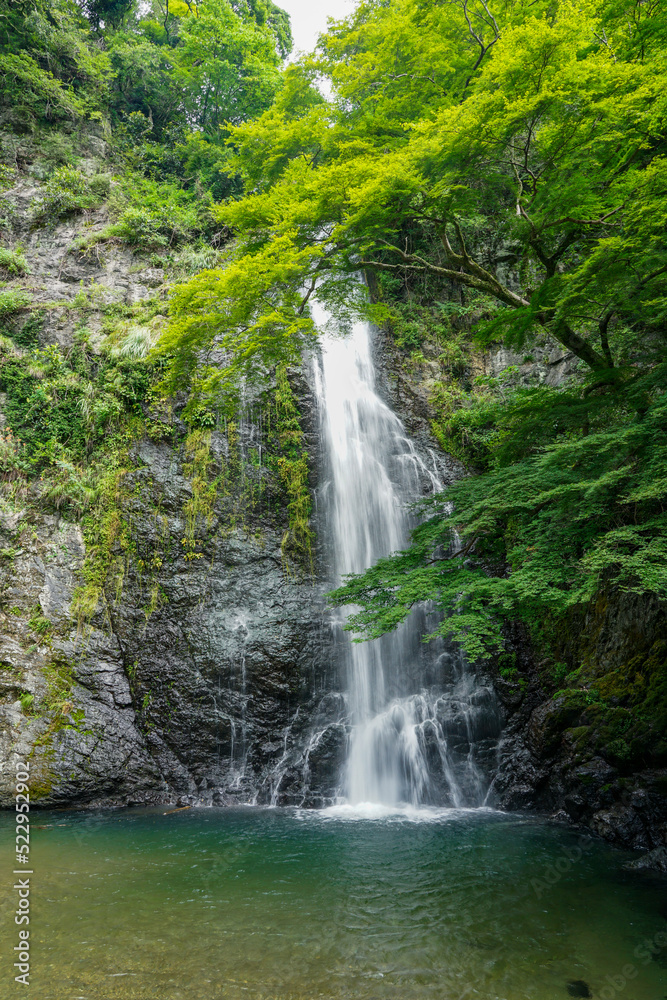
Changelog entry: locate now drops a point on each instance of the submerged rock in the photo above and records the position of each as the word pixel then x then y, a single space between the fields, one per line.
pixel 655 860
pixel 578 988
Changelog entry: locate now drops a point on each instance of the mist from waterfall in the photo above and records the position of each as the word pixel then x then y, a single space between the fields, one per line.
pixel 410 743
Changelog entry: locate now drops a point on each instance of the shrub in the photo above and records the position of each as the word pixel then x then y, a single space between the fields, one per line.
pixel 54 149
pixel 155 226
pixel 13 463
pixel 68 489
pixel 12 301
pixel 12 262
pixel 67 190
pixel 27 334
pixel 7 174
pixel 38 623
pixel 27 89
pixel 151 215
pixel 100 185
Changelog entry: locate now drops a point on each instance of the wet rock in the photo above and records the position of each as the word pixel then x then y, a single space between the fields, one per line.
pixel 655 860
pixel 326 759
pixel 553 759
pixel 621 823
pixel 397 718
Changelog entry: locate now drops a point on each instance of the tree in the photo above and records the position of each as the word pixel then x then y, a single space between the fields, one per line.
pixel 226 65
pixel 515 152
pixel 266 13
pixel 565 133
pixel 107 13
pixel 48 71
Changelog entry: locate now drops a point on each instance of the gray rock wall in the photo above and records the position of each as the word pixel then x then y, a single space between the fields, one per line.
pixel 206 677
pixel 86 743
pixel 220 693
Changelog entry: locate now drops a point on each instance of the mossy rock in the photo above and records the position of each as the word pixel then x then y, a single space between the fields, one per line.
pixel 620 735
pixel 580 736
pixel 620 714
pixel 42 776
pixel 561 714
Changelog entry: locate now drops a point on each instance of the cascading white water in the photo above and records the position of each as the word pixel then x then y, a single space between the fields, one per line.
pixel 408 744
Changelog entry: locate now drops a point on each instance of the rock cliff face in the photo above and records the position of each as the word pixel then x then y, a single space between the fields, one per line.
pixel 219 693
pixel 589 764
pixel 205 673
pixel 208 671
pixel 86 745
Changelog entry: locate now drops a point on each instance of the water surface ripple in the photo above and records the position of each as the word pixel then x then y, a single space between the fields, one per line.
pixel 372 903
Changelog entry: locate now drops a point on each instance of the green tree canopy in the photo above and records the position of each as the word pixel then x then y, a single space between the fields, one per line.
pixel 510 156
pixel 541 133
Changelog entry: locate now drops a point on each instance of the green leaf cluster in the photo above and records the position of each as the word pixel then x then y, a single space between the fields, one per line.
pixel 543 529
pixel 64 410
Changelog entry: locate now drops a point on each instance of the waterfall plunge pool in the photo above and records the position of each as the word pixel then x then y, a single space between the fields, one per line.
pixel 277 904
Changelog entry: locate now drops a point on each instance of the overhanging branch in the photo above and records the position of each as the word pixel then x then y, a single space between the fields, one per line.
pixel 467 271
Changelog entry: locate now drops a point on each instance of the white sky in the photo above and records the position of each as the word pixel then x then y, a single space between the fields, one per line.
pixel 309 18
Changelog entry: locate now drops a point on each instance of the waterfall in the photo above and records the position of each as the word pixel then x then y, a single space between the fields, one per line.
pixel 410 742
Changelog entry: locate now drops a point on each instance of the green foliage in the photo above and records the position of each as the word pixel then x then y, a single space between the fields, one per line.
pixel 618 709
pixel 182 74
pixel 27 701
pixel 557 220
pixel 267 15
pixel 223 304
pixel 39 624
pixel 55 149
pixel 50 73
pixel 12 262
pixel 29 89
pixel 163 86
pixel 152 215
pixel 107 540
pixel 32 391
pixel 58 705
pixel 107 12
pixel 13 461
pixel 226 65
pixel 67 190
pixel 197 468
pixel 65 411
pixel 12 300
pixel 26 335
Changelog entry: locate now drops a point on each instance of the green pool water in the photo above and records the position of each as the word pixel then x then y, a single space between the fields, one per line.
pixel 251 903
